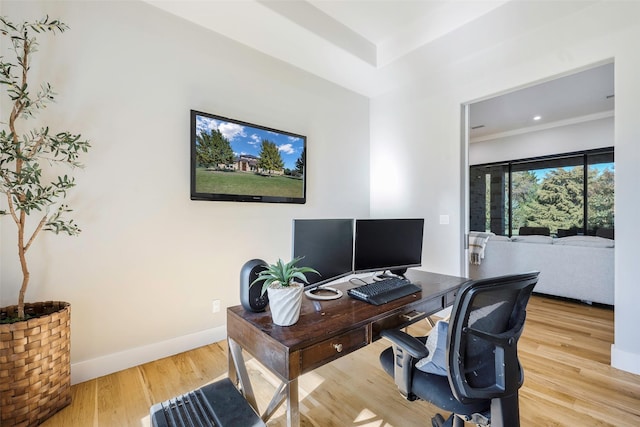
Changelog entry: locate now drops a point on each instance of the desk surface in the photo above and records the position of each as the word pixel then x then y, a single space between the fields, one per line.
pixel 338 328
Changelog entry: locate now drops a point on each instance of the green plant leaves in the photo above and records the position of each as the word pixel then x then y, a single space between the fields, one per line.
pixel 284 273
pixel 22 157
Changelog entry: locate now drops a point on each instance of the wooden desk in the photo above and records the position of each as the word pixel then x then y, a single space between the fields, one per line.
pixel 338 328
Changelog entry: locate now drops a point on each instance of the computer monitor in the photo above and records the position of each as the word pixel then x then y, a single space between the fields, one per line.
pixel 326 245
pixel 388 244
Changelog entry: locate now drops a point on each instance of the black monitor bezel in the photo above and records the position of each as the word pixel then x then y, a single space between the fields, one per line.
pixel 310 276
pixel 388 267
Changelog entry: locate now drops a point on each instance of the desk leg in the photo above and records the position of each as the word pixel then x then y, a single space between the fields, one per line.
pixel 231 367
pixel 293 404
pixel 287 391
pixel 240 373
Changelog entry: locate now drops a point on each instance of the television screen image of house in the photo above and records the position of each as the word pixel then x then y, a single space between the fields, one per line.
pixel 234 157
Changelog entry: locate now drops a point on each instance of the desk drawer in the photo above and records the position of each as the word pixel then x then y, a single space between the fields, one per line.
pixel 333 348
pixel 450 298
pixel 399 320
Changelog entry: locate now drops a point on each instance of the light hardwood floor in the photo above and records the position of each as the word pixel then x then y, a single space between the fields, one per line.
pixel 565 351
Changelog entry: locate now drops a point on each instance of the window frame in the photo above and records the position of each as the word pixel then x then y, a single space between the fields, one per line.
pixel 518 165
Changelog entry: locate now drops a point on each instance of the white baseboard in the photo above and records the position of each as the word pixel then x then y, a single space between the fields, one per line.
pixel 624 360
pixel 108 364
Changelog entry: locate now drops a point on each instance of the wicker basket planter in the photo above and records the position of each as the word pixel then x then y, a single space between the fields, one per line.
pixel 35 367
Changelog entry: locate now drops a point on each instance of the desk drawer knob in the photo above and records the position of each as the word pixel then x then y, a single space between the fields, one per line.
pixel 338 347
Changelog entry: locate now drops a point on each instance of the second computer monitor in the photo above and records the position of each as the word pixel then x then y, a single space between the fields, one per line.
pixel 326 245
pixel 388 244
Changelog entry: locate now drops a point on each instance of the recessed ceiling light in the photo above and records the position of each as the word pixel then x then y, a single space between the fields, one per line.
pixel 537 117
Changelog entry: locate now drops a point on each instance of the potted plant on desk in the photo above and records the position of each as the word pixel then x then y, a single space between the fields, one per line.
pixel 285 294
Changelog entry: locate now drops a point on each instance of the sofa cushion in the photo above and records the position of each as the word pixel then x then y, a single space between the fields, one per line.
pixel 570 271
pixel 547 240
pixel 587 241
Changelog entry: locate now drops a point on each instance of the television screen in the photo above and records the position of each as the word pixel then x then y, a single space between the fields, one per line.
pixel 237 161
pixel 387 244
pixel 326 245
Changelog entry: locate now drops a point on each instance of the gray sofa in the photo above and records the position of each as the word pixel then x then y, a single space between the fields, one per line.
pixel 578 267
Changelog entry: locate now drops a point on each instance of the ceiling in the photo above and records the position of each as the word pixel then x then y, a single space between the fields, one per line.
pixel 578 97
pixel 357 44
pixel 367 46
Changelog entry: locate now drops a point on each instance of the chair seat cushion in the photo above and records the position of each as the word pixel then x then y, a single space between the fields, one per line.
pixel 434 388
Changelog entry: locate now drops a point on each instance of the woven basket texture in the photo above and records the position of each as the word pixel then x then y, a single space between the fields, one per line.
pixel 35 367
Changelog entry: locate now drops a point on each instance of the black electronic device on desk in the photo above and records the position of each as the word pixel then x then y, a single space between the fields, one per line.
pixel 388 244
pixel 384 291
pixel 327 246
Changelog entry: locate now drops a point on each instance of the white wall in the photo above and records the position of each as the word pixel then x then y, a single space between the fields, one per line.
pixel 422 123
pixel 142 275
pixel 565 139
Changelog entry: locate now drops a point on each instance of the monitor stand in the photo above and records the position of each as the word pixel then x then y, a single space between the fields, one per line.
pixel 393 274
pixel 323 293
pixel 398 271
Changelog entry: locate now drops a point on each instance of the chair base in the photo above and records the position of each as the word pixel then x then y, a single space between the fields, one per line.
pixel 504 412
pixel 452 421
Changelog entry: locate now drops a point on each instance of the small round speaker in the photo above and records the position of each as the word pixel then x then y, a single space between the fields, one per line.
pixel 250 297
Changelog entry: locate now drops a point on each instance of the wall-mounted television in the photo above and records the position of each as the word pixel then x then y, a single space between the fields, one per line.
pixel 232 160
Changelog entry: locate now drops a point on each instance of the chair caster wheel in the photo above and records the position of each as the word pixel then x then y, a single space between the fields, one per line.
pixel 437 421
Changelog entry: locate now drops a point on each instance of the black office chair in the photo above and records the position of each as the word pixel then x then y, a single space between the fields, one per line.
pixel 534 231
pixel 483 373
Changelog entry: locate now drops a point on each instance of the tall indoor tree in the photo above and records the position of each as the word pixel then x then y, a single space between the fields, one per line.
pixel 29 159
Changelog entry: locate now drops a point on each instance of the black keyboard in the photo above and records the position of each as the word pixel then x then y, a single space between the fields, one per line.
pixel 384 291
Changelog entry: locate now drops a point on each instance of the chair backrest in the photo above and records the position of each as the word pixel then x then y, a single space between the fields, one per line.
pixel 607 233
pixel 486 322
pixel 534 231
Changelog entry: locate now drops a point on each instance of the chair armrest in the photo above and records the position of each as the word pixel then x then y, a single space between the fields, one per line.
pixel 413 346
pixel 407 350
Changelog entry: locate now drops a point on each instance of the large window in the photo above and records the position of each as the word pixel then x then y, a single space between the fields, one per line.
pixel 569 194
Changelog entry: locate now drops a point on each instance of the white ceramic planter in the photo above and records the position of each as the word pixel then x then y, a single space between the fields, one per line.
pixel 284 303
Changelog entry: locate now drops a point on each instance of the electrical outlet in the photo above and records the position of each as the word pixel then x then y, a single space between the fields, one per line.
pixel 216 306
